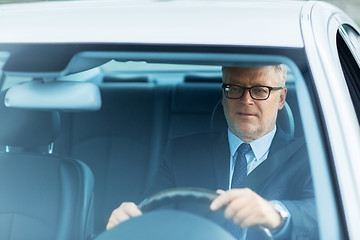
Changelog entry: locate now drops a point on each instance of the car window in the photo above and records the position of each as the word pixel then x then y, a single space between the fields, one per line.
pixel 348 45
pixel 156 72
pixel 8 81
pixel 168 108
pixel 147 108
pixel 353 40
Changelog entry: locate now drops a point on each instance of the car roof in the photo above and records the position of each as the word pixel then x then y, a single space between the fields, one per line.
pixel 253 23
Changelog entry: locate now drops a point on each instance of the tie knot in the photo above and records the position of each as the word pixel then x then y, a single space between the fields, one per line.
pixel 243 149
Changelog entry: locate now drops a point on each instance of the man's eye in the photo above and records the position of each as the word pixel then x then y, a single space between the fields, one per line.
pixel 260 90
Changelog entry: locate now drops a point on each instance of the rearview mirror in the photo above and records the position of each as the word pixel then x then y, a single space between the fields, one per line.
pixel 55 95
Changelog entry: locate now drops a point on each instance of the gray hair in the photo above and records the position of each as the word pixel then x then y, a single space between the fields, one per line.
pixel 281 70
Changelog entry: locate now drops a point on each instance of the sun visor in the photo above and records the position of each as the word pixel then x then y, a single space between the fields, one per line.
pixel 47 60
pixel 55 95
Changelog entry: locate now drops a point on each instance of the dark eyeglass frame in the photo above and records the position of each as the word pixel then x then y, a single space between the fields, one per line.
pixel 227 85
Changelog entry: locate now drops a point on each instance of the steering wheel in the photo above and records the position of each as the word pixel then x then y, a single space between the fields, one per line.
pixel 177 195
pixel 172 224
pixel 204 196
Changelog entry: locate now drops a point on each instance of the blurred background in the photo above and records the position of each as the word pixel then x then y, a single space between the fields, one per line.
pixel 351 7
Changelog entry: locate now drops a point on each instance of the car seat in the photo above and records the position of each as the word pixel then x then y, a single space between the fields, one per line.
pixel 42 195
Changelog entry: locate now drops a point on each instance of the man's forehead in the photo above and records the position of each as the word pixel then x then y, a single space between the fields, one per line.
pixel 248 70
pixel 237 74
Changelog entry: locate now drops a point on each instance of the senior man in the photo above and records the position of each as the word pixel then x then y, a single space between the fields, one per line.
pixel 262 175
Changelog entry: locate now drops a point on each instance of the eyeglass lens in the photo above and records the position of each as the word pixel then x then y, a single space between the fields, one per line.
pixel 257 93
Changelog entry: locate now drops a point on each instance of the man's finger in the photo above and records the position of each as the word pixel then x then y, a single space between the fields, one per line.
pixel 227 197
pixel 249 221
pixel 123 213
pixel 221 200
pixel 132 210
pixel 237 206
pixel 111 224
pixel 220 191
pixel 243 217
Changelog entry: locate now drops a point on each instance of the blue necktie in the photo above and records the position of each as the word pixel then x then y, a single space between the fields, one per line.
pixel 240 169
pixel 240 172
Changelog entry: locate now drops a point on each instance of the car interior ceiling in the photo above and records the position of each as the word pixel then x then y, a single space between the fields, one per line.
pixel 123 142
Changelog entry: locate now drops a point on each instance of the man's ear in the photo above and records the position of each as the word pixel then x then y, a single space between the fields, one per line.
pixel 282 98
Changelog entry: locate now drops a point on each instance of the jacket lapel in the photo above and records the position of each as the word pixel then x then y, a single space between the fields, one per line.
pixel 277 157
pixel 282 148
pixel 221 160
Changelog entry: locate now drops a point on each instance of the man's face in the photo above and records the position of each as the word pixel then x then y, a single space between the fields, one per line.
pixel 247 118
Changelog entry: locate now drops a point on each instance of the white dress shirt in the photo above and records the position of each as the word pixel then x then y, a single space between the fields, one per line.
pixel 260 150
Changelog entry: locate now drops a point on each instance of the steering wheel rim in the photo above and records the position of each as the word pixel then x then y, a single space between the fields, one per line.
pixel 207 195
pixel 197 193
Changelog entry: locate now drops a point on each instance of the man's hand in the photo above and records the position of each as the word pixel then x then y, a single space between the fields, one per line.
pixel 123 213
pixel 246 208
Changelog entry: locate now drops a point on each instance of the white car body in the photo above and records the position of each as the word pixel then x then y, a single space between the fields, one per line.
pixel 310 27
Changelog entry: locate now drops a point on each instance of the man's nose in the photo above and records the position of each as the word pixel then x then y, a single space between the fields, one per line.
pixel 246 97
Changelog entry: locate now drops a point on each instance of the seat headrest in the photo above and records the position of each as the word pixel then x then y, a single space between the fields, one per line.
pixel 285 119
pixel 116 79
pixel 27 128
pixel 202 79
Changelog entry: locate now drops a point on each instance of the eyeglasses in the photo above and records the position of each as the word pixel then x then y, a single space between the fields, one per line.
pixel 234 91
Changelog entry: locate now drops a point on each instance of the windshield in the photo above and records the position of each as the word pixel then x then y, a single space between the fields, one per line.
pixel 163 126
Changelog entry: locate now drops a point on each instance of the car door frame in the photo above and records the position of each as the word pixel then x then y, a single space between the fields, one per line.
pixel 339 213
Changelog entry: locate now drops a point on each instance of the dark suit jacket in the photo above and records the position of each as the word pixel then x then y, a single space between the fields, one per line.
pixel 202 161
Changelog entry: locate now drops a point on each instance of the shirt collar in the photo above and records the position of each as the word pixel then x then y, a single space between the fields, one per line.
pixel 259 146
